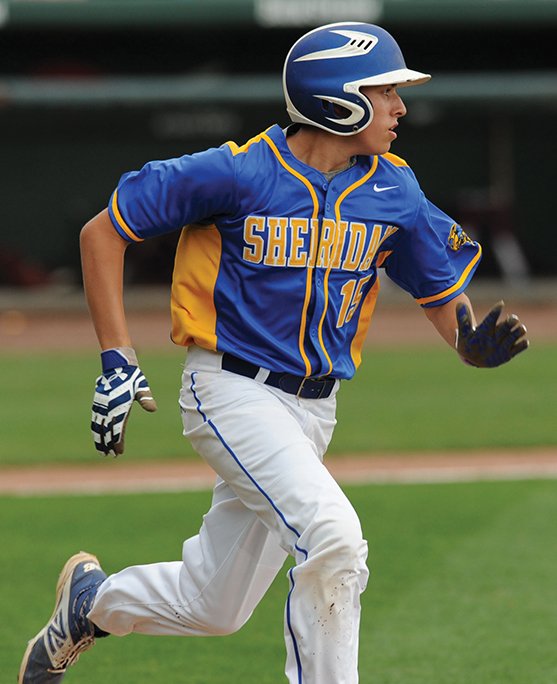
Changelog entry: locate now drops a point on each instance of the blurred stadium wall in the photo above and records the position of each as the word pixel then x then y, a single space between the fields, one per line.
pixel 91 89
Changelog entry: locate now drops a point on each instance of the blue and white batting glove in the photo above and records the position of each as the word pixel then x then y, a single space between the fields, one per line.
pixel 491 343
pixel 120 384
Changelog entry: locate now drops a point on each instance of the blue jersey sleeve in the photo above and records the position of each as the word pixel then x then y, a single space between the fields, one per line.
pixel 164 196
pixel 433 259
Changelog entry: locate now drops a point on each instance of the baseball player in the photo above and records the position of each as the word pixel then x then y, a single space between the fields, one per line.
pixel 274 286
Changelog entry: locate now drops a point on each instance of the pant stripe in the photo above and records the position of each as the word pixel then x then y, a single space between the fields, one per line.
pixel 274 506
pixel 290 629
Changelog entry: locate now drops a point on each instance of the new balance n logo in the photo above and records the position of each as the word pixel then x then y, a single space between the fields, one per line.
pixel 56 636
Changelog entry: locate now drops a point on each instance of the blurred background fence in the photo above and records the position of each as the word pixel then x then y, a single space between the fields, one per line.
pixel 90 89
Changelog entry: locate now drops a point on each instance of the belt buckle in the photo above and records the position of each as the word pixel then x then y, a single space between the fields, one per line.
pixel 319 393
pixel 301 387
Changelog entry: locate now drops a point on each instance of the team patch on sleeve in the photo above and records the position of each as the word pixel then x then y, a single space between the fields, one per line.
pixel 458 238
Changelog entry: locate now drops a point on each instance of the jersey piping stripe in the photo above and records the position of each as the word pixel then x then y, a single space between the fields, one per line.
pixel 280 514
pixel 457 285
pixel 309 186
pixel 395 161
pixel 341 198
pixel 238 149
pixel 123 225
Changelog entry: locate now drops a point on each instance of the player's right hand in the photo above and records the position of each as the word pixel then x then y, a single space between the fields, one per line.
pixel 120 384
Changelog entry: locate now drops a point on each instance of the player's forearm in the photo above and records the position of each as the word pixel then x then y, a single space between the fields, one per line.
pixel 444 317
pixel 102 259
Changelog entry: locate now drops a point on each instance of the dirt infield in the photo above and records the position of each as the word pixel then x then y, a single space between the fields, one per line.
pixel 121 475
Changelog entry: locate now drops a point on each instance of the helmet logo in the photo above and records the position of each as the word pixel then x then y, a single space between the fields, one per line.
pixel 358 44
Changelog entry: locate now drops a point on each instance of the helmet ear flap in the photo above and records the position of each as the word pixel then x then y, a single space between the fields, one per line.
pixel 344 114
pixel 335 111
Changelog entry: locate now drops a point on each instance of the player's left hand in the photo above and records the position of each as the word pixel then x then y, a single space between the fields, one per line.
pixel 491 343
pixel 120 384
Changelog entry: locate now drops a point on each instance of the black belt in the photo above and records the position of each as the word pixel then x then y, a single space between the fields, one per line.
pixel 306 388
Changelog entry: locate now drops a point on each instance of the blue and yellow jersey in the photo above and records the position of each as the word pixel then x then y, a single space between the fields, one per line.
pixel 277 265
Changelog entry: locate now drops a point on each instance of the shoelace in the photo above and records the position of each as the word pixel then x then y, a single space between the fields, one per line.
pixel 69 655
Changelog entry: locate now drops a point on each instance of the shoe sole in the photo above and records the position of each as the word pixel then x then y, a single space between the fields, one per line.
pixel 65 575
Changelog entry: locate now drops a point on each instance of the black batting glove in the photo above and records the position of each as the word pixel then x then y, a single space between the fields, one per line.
pixel 490 344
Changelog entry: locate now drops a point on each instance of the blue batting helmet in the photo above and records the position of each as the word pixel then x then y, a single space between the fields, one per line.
pixel 329 65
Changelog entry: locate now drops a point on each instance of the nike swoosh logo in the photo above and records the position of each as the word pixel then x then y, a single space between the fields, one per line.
pixel 377 188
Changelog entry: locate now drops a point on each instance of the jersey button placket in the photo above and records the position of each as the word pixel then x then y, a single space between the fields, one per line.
pixel 318 281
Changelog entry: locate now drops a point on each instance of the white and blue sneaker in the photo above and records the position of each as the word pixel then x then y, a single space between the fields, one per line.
pixel 68 632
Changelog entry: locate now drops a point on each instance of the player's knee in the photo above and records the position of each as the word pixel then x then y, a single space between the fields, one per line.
pixel 336 566
pixel 227 624
pixel 350 548
pixel 341 544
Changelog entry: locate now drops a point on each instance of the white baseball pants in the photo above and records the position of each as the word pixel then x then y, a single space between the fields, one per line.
pixel 273 497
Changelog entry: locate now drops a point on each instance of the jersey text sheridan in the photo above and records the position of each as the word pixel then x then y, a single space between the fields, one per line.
pixel 284 241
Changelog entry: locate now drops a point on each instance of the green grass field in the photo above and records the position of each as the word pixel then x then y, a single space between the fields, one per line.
pixel 462 588
pixel 402 399
pixel 463 575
